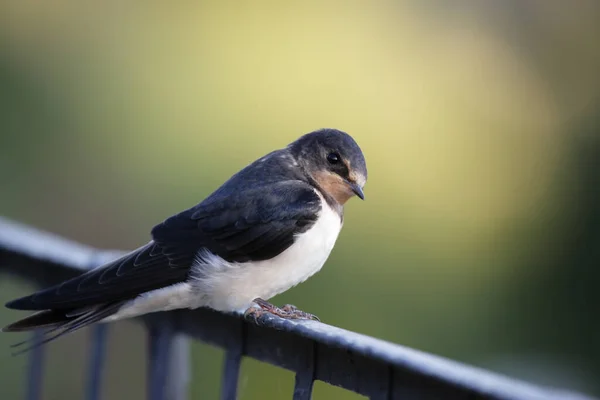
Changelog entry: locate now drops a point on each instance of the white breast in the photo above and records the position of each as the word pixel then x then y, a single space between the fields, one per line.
pixel 231 287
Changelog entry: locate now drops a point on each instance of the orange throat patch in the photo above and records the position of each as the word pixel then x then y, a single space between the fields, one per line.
pixel 334 185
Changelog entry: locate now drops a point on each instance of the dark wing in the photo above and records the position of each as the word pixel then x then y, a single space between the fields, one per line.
pixel 253 224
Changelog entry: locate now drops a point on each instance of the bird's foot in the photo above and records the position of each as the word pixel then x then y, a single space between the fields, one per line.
pixel 287 312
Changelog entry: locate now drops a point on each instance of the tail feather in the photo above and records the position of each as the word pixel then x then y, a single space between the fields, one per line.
pixel 40 319
pixel 59 323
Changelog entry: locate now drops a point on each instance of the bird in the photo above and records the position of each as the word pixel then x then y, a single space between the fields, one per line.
pixel 268 228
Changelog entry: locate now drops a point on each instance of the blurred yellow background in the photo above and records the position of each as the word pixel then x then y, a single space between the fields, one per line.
pixel 479 238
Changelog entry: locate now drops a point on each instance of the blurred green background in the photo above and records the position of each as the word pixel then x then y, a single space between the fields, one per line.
pixel 480 236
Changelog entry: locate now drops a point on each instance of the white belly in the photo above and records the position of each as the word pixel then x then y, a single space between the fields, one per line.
pixel 232 287
pixel 225 286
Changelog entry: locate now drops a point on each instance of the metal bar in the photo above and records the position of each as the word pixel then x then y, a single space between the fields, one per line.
pixel 168 358
pixel 233 360
pixel 231 372
pixel 341 354
pixel 36 367
pixel 160 338
pixel 305 377
pixel 179 368
pixel 303 385
pixel 97 359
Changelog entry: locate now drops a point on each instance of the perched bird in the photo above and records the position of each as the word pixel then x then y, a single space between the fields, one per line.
pixel 268 228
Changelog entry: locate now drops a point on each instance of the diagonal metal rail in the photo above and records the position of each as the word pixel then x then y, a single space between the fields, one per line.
pixel 313 350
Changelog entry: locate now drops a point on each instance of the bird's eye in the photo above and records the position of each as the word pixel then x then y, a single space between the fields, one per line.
pixel 333 158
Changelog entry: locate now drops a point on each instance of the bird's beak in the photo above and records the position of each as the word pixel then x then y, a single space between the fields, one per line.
pixel 356 189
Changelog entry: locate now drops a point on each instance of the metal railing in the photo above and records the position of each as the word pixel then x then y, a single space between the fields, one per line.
pixel 313 350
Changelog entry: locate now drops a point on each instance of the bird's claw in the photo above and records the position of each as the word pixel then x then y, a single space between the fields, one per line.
pixel 298 314
pixel 288 311
pixel 289 308
pixel 253 314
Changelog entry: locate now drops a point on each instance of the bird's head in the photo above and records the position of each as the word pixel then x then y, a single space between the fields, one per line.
pixel 335 162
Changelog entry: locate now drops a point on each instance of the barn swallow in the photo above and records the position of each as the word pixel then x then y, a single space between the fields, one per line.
pixel 268 228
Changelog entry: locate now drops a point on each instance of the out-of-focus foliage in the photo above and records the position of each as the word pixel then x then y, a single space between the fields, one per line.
pixel 480 123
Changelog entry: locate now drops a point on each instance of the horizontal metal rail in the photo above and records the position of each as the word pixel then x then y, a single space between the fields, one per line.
pixel 313 350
